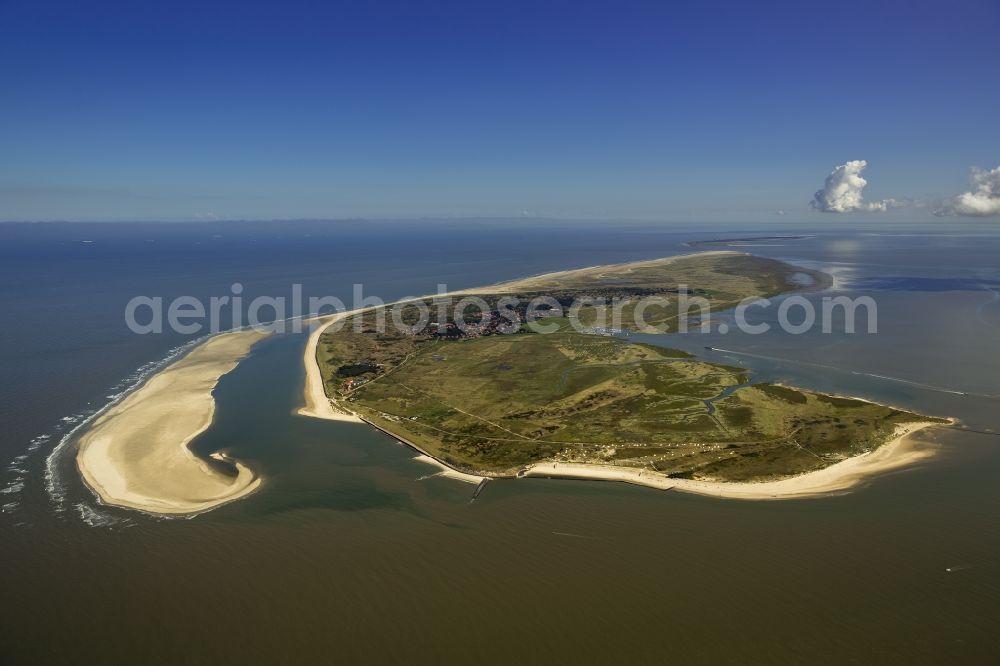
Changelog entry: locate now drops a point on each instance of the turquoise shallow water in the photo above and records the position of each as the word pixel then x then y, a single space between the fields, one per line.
pixel 348 554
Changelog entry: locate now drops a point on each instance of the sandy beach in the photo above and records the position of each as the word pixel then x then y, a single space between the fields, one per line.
pixel 136 454
pixel 899 452
pixel 315 401
pixel 448 472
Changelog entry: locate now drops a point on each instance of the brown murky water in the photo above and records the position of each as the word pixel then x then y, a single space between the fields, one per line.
pixel 348 555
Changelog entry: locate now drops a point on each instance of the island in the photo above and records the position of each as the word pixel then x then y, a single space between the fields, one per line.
pixel 746 240
pixel 493 398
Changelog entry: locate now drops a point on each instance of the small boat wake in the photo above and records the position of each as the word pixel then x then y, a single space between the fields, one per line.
pixel 859 373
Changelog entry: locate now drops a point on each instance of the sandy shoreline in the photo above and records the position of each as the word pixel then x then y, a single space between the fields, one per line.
pixel 899 452
pixel 425 457
pixel 136 454
pixel 448 472
pixel 315 401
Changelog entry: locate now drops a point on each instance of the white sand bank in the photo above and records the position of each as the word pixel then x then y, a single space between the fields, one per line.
pixel 136 454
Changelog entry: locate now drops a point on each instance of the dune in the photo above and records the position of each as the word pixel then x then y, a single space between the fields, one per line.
pixel 901 451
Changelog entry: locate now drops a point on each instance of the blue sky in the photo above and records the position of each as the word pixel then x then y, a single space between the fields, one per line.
pixel 186 111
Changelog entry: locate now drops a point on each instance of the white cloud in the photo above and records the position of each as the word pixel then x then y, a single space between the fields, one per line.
pixel 842 191
pixel 982 200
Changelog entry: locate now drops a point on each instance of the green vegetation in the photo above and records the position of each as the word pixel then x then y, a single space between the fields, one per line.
pixel 494 403
pixel 721 279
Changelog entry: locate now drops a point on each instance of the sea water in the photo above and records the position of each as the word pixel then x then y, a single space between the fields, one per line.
pixel 348 552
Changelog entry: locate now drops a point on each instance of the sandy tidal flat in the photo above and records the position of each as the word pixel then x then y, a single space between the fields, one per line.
pixel 136 454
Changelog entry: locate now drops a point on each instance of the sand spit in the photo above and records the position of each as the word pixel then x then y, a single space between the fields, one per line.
pixel 899 452
pixel 535 281
pixel 136 454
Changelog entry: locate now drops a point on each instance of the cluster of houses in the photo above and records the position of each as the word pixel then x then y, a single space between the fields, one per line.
pixel 488 323
pixel 353 383
pixel 606 331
